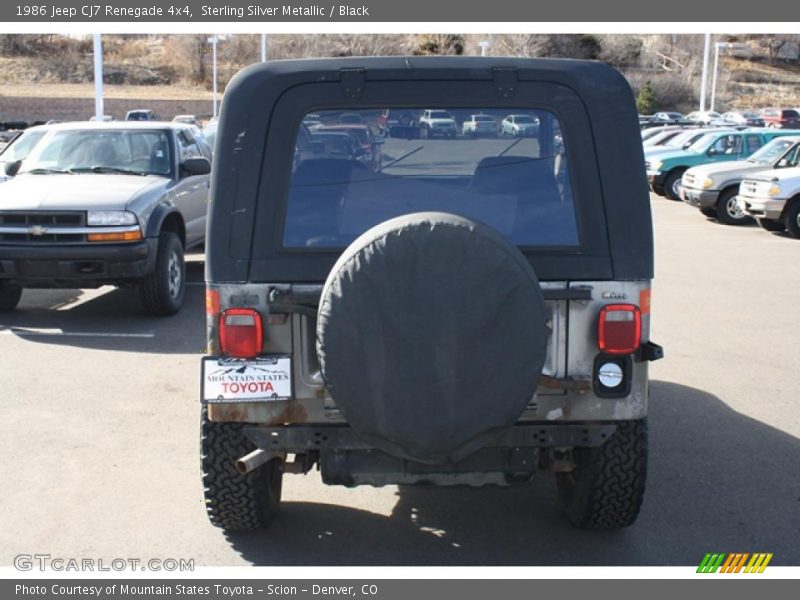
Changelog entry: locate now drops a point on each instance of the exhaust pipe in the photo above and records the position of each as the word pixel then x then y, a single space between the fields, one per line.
pixel 252 461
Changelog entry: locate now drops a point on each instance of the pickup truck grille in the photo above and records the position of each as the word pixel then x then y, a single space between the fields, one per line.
pixel 749 188
pixel 41 227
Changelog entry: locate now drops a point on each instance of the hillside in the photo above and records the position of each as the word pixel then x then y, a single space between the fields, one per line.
pixel 51 77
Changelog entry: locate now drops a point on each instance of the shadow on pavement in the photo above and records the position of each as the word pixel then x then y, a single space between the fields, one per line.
pixel 114 320
pixel 718 481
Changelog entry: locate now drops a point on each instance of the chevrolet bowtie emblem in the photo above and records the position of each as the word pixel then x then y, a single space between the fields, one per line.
pixel 37 230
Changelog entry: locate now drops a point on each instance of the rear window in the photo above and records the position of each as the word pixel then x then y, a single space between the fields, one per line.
pixel 519 185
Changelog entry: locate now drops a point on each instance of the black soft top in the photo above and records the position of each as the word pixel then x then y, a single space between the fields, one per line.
pixel 265 103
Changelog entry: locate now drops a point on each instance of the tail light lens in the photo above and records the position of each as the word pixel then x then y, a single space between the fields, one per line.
pixel 619 329
pixel 241 333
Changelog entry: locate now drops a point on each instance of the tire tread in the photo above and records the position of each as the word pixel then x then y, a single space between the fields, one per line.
pixel 236 502
pixel 611 495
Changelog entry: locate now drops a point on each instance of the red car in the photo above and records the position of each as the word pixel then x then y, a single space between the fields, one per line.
pixel 370 153
pixel 778 118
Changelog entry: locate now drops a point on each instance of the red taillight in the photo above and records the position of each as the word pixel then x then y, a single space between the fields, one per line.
pixel 619 329
pixel 240 332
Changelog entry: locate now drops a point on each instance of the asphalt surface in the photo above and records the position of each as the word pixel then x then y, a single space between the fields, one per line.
pixel 99 444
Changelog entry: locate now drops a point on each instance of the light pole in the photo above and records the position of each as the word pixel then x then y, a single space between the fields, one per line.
pixel 705 73
pixel 98 77
pixel 263 47
pixel 717 47
pixel 213 41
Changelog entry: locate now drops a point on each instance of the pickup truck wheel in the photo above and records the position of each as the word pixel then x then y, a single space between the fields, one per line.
pixel 162 290
pixel 672 185
pixel 727 208
pixel 236 502
pixel 10 294
pixel 606 487
pixel 658 191
pixel 771 225
pixel 793 219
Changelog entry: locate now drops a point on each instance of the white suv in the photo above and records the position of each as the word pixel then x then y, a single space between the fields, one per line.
pixel 438 122
pixel 773 199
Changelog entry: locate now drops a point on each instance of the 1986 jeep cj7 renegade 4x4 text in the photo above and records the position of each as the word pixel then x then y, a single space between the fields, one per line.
pixel 467 312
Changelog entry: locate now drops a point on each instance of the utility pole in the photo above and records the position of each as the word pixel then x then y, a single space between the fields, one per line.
pixel 98 78
pixel 705 73
pixel 213 41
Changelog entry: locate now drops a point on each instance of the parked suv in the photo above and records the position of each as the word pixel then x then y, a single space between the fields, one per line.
pixel 786 118
pixel 773 199
pixel 105 203
pixel 460 319
pixel 20 147
pixel 664 171
pixel 713 188
pixel 437 122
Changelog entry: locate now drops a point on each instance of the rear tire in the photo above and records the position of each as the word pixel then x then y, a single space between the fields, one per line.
pixel 10 294
pixel 672 185
pixel 771 225
pixel 236 502
pixel 162 291
pixel 728 211
pixel 606 488
pixel 793 219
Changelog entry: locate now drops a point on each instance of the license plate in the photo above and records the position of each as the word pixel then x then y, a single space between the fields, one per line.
pixel 262 379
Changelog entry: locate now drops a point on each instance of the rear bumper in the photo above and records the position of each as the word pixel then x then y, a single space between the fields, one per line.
pixel 77 266
pixel 304 438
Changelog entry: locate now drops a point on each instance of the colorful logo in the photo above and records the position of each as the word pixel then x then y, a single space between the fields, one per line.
pixel 734 563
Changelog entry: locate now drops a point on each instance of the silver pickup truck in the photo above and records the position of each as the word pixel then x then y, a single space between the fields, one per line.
pixel 105 203
pixel 713 188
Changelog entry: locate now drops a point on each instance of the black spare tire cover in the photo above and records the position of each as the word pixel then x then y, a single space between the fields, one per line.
pixel 431 335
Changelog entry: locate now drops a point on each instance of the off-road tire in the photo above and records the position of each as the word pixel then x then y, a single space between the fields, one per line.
pixel 236 502
pixel 159 298
pixel 606 487
pixel 771 225
pixel 9 296
pixel 792 219
pixel 723 209
pixel 670 184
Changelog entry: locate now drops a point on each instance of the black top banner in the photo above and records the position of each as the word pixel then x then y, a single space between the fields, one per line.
pixel 497 11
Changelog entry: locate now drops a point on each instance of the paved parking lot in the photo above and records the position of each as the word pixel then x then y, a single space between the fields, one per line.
pixel 99 413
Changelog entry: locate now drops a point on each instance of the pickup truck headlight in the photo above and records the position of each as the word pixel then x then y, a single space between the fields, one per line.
pixel 707 183
pixel 774 190
pixel 110 218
